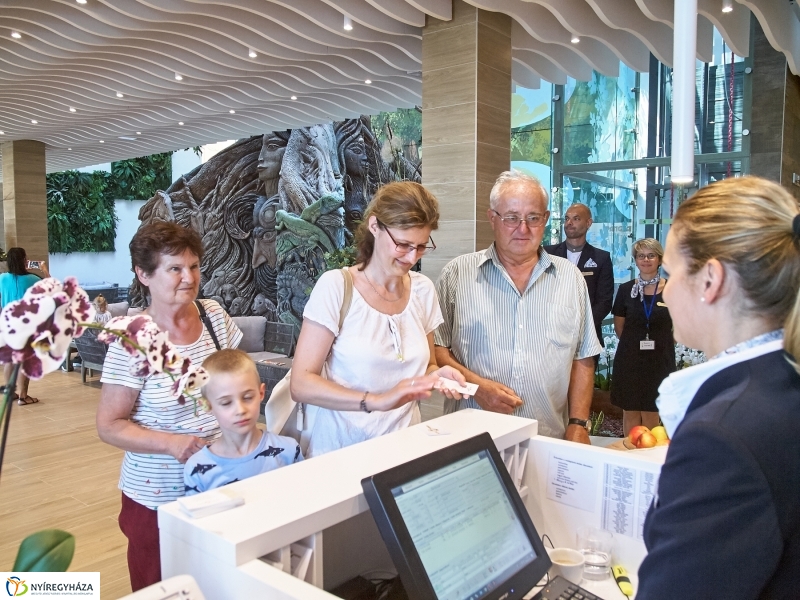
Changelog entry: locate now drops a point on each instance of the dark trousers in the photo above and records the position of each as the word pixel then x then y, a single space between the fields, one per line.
pixel 140 526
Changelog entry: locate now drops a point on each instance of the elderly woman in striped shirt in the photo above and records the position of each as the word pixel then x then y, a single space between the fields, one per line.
pixel 138 414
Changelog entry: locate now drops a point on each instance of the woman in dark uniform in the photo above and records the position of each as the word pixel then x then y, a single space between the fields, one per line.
pixel 646 351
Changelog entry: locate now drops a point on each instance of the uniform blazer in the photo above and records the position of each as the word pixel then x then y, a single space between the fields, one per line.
pixel 599 277
pixel 725 521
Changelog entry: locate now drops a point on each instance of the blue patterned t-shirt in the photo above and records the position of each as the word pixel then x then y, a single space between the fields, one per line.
pixel 205 470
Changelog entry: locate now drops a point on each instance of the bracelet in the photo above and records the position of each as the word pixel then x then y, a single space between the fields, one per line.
pixel 364 403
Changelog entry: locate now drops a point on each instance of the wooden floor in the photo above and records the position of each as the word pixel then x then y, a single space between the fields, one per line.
pixel 58 474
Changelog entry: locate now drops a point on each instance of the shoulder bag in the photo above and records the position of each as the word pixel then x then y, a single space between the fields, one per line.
pixel 294 419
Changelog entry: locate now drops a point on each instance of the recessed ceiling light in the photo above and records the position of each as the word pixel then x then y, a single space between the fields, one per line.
pixel 34 121
pixel 16 35
pixel 727 6
pixel 138 133
pixel 348 24
pixel 69 148
pixel 120 95
pixel 2 132
pixel 575 39
pixel 81 1
pixel 102 141
pixel 252 53
pixel 127 138
pixel 294 97
pixel 72 109
pixel 180 122
pixel 368 81
pixel 178 77
pixel 233 112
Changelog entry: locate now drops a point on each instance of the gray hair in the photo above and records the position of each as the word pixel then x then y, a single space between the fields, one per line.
pixel 513 179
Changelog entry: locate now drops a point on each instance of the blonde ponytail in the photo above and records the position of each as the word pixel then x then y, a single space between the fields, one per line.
pixel 748 223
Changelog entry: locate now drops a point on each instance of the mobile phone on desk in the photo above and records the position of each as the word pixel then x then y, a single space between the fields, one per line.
pixel 34 264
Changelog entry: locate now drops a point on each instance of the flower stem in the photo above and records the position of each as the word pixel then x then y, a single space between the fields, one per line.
pixel 5 414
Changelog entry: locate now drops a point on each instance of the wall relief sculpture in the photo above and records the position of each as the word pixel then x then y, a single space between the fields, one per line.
pixel 270 207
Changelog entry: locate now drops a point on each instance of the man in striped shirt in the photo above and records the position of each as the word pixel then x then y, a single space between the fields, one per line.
pixel 517 321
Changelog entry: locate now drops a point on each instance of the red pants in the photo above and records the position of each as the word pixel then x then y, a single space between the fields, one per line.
pixel 140 526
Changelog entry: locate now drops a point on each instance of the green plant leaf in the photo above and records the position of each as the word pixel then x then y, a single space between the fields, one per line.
pixel 47 550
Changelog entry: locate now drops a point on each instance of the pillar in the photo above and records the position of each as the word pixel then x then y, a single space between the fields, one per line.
pixel 25 197
pixel 466 124
pixel 775 142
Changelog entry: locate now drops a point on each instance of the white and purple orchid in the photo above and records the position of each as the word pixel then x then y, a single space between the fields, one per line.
pixel 36 331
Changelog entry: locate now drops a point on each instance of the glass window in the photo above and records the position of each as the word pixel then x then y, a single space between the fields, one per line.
pixel 531 132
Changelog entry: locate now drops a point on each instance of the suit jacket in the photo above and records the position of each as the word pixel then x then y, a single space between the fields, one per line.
pixel 599 277
pixel 725 522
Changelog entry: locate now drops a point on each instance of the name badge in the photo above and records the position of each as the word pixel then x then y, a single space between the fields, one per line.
pixel 647 345
pixel 661 304
pixel 585 273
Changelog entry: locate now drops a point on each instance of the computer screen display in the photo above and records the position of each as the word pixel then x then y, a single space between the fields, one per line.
pixel 455 525
pixel 464 528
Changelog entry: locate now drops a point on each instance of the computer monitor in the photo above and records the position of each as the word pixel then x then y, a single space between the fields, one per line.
pixel 455 525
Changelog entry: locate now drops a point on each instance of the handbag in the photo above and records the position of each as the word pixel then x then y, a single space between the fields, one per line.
pixel 295 419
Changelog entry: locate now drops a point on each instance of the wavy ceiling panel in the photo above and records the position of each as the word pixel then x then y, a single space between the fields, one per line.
pixel 112 79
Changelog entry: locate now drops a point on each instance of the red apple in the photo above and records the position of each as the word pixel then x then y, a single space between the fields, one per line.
pixel 636 432
pixel 646 440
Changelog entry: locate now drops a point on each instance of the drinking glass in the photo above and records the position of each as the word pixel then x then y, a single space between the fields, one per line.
pixel 596 546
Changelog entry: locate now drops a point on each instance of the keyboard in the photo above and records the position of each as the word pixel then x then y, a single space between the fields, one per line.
pixel 561 589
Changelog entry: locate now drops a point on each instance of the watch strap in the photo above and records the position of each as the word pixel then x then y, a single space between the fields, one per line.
pixel 582 422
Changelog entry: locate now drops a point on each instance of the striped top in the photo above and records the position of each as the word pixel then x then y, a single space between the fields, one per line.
pixel 525 341
pixel 156 479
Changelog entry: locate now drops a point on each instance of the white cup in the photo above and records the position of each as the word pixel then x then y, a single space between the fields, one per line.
pixel 566 562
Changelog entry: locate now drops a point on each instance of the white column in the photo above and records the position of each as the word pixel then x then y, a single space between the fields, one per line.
pixel 683 90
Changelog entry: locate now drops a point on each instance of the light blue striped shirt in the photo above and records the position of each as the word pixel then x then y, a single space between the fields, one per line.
pixel 525 341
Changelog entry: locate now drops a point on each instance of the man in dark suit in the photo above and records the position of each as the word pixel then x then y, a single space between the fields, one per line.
pixel 593 263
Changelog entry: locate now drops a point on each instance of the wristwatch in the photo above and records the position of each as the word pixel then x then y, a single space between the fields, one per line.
pixel 582 422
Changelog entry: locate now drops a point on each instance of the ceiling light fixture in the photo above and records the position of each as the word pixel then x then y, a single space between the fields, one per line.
pixel 138 133
pixel 127 138
pixel 178 77
pixel 34 121
pixel 233 112
pixel 180 122
pixel 120 95
pixel 252 53
pixel 348 24
pixel 2 132
pixel 81 1
pixel 575 39
pixel 16 35
pixel 102 141
pixel 727 6
pixel 72 109
pixel 294 97
pixel 368 81
pixel 69 148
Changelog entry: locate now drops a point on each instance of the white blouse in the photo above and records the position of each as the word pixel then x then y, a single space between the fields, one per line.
pixel 372 353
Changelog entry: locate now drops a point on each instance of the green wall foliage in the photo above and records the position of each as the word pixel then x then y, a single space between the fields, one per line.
pixel 80 206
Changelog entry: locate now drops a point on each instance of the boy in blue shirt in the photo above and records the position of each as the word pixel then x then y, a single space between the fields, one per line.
pixel 234 395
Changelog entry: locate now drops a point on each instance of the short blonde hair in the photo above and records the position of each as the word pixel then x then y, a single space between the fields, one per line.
pixel 651 244
pixel 227 360
pixel 401 205
pixel 747 224
pixel 100 303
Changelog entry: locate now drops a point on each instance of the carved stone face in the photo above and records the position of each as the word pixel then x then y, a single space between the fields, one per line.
pixel 228 293
pixel 270 158
pixel 356 160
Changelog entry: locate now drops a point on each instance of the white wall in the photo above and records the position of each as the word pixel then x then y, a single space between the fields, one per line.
pixel 99 267
pixel 183 161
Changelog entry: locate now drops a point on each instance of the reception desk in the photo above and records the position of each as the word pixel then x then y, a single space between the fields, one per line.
pixel 312 519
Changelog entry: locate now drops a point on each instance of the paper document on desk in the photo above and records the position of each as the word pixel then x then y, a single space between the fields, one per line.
pixel 209 503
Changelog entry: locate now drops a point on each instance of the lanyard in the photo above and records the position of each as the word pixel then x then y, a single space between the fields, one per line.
pixel 649 310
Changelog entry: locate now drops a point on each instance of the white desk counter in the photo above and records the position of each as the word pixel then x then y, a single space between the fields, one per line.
pixel 319 504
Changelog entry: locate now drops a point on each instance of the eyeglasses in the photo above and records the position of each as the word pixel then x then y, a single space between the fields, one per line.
pixel 513 221
pixel 646 256
pixel 404 248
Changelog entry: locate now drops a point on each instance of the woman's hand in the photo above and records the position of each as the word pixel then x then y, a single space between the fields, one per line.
pixel 450 373
pixel 408 390
pixel 182 446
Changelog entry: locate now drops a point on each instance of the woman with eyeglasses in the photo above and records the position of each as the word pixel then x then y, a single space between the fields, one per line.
pixel 646 352
pixel 365 379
